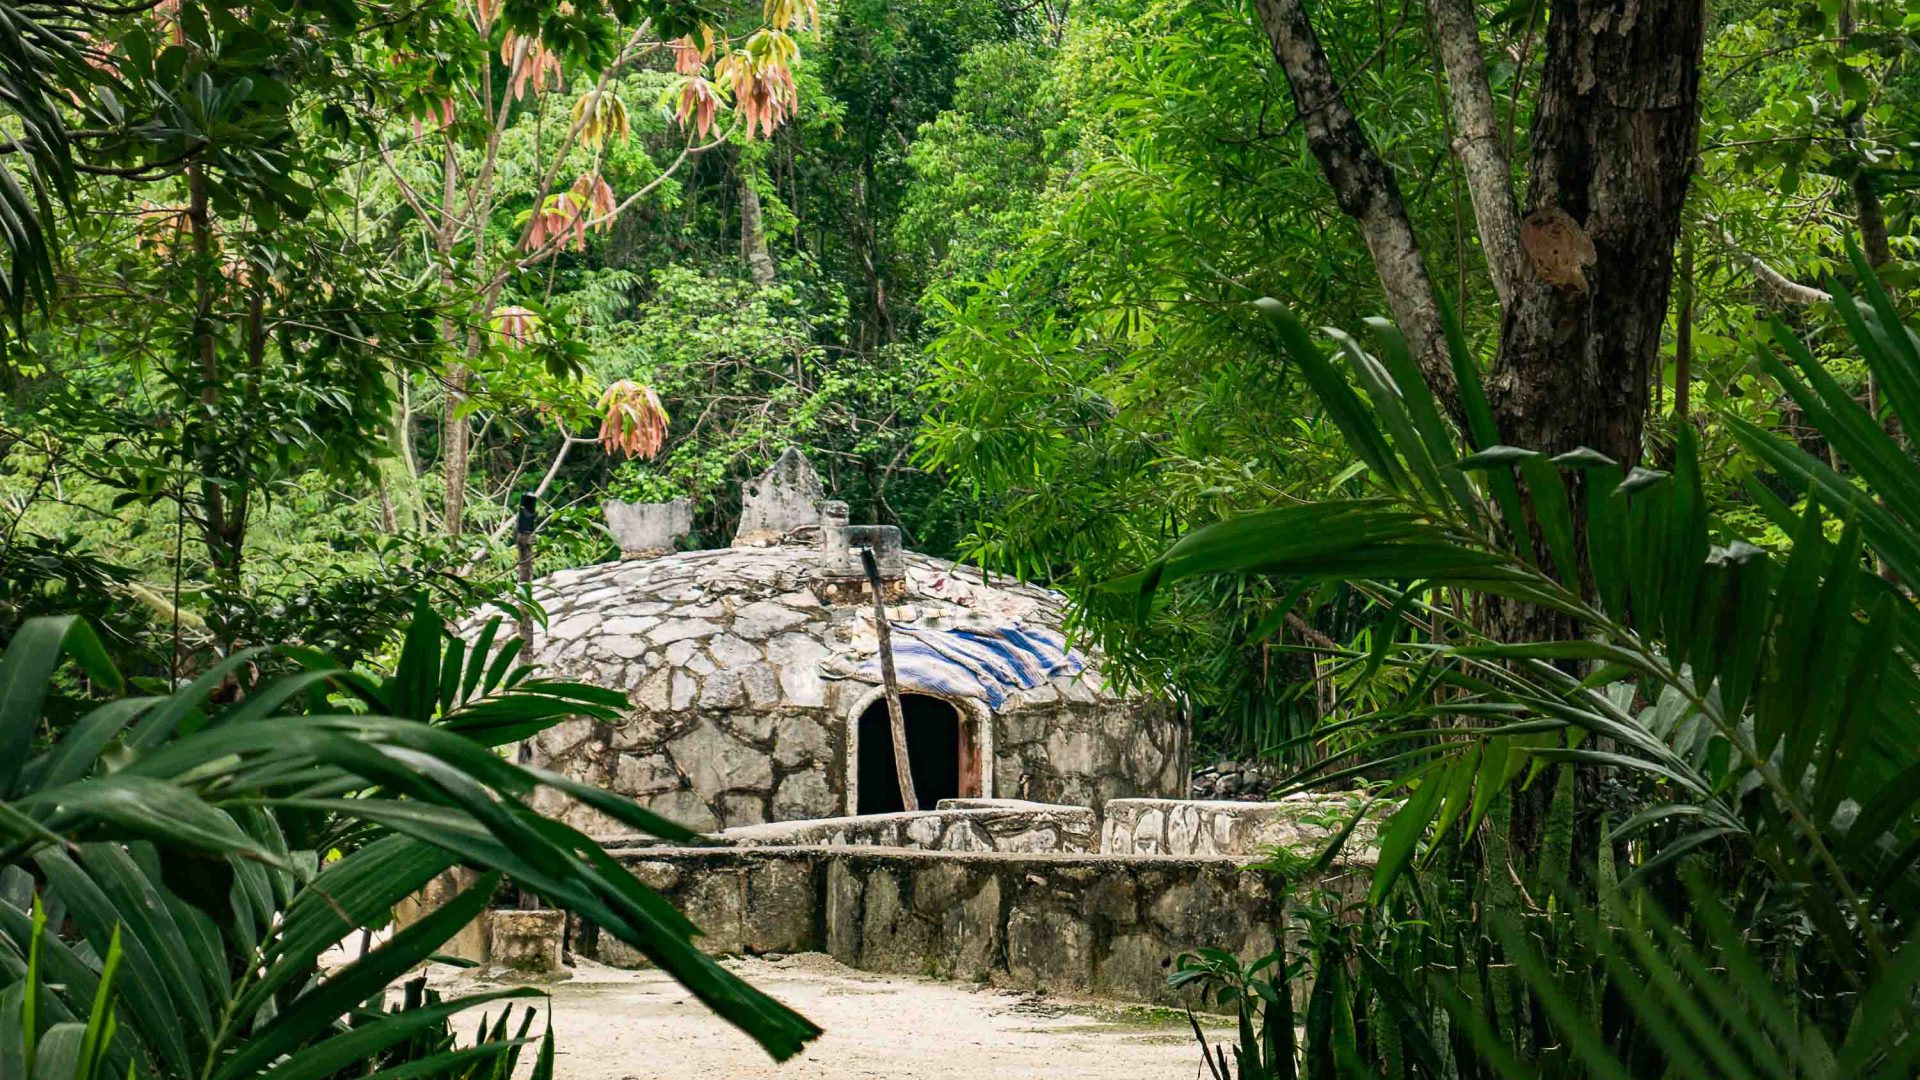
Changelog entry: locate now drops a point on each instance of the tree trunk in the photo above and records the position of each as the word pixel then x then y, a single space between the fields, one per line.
pixel 1363 186
pixel 1613 151
pixel 1476 142
pixel 890 683
pixel 453 451
pixel 753 236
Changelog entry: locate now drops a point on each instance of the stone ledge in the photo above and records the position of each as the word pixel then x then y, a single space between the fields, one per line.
pixel 1067 922
pixel 1302 824
pixel 1012 826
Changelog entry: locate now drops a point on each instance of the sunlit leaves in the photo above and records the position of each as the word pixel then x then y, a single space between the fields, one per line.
pixel 600 115
pixel 530 64
pixel 634 422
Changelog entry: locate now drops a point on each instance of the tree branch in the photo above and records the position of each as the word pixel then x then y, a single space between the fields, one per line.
pixel 1783 287
pixel 1477 140
pixel 1364 188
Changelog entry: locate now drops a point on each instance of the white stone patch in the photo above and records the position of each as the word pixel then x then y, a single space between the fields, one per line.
pixel 676 629
pixel 731 652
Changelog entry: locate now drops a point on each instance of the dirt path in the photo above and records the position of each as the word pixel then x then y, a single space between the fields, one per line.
pixel 639 1025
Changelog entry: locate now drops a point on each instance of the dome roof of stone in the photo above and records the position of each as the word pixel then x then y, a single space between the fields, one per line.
pixel 748 628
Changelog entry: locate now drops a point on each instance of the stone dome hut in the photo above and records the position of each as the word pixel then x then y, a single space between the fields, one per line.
pixel 754 687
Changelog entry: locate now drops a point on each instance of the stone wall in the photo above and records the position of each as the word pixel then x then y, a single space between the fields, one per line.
pixel 719 654
pixel 737 671
pixel 1014 827
pixel 1302 824
pixel 1061 923
pixel 1062 746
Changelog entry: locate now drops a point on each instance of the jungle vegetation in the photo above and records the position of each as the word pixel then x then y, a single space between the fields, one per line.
pixel 1501 410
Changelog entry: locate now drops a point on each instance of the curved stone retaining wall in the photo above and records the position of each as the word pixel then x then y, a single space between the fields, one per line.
pixel 980 827
pixel 1303 824
pixel 1062 923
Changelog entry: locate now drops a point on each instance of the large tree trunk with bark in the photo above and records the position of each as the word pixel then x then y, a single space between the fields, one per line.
pixel 1613 151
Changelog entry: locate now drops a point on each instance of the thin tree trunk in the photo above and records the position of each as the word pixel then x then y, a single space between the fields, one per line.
pixel 753 236
pixel 215 518
pixel 454 449
pixel 1364 188
pixel 1683 338
pixel 896 719
pixel 1476 141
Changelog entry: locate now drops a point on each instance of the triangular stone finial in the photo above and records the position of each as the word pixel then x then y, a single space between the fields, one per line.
pixel 780 501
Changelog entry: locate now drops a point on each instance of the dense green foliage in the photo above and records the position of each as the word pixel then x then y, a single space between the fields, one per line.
pixel 1733 701
pixel 188 861
pixel 301 297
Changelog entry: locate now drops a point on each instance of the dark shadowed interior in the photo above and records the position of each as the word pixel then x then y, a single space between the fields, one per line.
pixel 934 734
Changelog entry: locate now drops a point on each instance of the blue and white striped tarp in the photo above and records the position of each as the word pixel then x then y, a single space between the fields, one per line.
pixel 975 663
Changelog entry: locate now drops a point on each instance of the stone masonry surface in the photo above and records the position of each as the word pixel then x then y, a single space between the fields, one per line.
pixel 1302 824
pixel 1013 826
pixel 1063 923
pixel 736 668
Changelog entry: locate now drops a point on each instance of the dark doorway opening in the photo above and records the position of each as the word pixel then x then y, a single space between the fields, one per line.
pixel 939 751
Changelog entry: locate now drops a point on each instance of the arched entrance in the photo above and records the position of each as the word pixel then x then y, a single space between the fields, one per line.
pixel 940 750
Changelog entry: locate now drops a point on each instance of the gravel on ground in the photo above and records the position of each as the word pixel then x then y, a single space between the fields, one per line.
pixel 613 1024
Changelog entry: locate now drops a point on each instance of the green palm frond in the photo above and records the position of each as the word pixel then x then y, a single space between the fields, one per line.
pixel 228 847
pixel 1770 699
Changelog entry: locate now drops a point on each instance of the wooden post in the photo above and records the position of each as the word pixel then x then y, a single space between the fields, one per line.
pixel 523 540
pixel 897 720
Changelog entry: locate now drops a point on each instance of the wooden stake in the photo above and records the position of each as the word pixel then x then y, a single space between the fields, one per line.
pixel 897 720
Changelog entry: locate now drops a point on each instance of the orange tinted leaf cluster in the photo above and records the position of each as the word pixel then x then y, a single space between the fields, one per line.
pixel 698 104
pixel 634 423
pixel 564 219
pixel 530 64
pixel 762 89
pixel 515 325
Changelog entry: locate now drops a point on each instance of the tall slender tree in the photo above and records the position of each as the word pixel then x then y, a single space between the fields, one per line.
pixel 1584 275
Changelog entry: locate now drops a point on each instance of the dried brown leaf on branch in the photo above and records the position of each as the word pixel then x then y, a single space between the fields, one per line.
pixel 635 422
pixel 530 63
pixel 515 325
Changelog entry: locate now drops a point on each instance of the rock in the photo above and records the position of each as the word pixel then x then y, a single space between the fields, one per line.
pixel 628 625
pixel 730 651
pixel 780 894
pixel 722 690
pixel 764 618
pixel 784 498
pixel 526 942
pixel 683 807
pixel 799 658
pixel 651 695
pixel 679 629
pixel 761 684
pixel 685 686
pixel 740 808
pixel 625 647
pixel 755 727
pixel 800 739
pixel 648 527
pixel 715 762
pixel 802 795
pixel 643 774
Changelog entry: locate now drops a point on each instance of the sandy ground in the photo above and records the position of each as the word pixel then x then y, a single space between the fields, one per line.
pixel 612 1024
